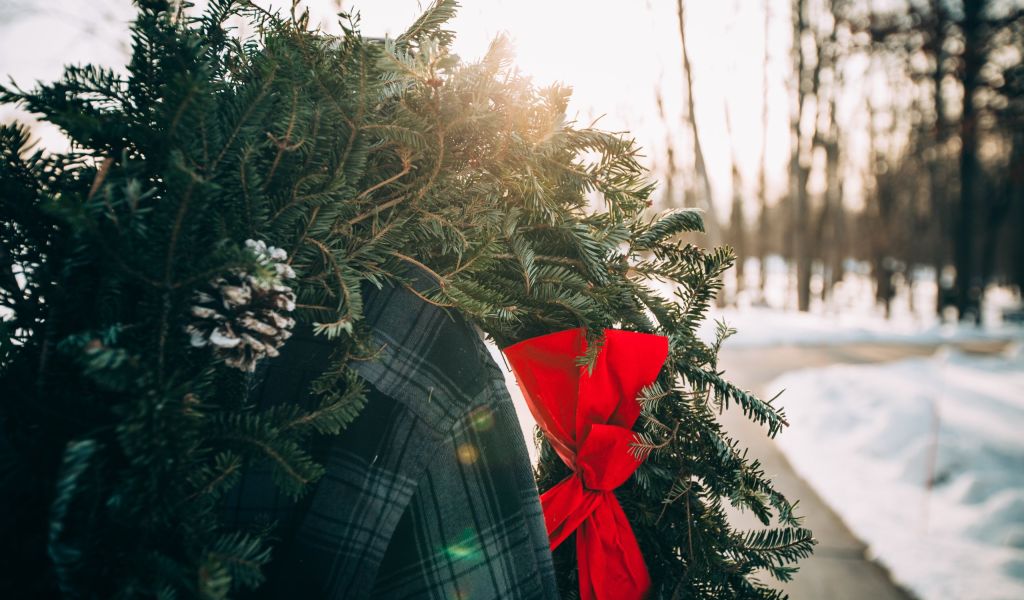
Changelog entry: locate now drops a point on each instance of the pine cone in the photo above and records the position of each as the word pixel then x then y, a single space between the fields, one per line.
pixel 241 315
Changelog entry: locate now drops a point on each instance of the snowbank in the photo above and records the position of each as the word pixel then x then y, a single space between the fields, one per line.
pixel 851 315
pixel 924 460
pixel 759 327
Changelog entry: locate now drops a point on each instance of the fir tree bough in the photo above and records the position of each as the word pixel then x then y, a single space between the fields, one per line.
pixel 362 160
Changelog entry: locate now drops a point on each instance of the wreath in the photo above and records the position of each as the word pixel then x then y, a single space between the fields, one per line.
pixel 227 186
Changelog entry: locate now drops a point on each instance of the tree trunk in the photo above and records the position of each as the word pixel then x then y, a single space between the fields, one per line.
pixel 705 196
pixel 763 236
pixel 999 204
pixel 737 229
pixel 827 242
pixel 936 188
pixel 968 292
pixel 670 155
pixel 798 173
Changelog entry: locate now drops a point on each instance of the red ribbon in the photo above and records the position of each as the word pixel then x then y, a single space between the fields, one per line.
pixel 588 420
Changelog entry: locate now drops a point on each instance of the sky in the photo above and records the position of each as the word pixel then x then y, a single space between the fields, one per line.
pixel 614 54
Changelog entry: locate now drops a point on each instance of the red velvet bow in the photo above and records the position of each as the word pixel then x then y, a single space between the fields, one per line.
pixel 588 419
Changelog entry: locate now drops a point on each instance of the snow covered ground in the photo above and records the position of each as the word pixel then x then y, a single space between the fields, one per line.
pixel 765 327
pixel 851 314
pixel 924 460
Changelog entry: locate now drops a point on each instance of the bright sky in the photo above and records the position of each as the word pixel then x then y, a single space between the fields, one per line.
pixel 614 53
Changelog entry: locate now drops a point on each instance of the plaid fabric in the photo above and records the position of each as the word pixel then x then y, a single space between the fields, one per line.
pixel 428 494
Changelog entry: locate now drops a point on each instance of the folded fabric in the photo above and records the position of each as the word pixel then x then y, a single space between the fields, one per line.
pixel 588 416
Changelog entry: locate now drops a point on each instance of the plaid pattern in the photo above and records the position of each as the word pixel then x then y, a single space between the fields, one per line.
pixel 428 494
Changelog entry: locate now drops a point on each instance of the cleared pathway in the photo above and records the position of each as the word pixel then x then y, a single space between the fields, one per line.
pixel 839 568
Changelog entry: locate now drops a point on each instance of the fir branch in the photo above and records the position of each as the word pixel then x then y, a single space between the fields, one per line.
pixel 753 407
pixel 283 464
pixel 284 144
pixel 429 23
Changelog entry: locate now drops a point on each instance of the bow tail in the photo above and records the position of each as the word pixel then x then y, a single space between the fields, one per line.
pixel 611 566
pixel 566 506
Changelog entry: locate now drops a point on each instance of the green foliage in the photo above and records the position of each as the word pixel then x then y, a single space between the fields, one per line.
pixel 362 160
pixel 669 224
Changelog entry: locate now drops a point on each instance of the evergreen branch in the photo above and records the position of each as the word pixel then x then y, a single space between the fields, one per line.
pixel 430 22
pixel 432 179
pixel 338 408
pixel 406 167
pixel 267 450
pixel 179 219
pixel 243 555
pixel 339 277
pixel 180 112
pixel 753 407
pixel 379 208
pixel 440 280
pixel 229 468
pixel 776 541
pixel 643 447
pixel 239 123
pixel 420 295
pixel 283 144
pixel 669 224
pixel 101 174
pixel 555 260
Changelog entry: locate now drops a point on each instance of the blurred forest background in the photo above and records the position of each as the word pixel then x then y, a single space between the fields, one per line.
pixel 871 149
pixel 937 88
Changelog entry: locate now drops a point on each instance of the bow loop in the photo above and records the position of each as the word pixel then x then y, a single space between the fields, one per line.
pixel 588 418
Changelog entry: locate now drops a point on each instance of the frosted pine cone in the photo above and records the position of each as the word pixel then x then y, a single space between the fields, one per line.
pixel 243 316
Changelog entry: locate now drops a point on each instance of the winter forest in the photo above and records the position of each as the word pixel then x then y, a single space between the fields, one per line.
pixel 905 152
pixel 863 159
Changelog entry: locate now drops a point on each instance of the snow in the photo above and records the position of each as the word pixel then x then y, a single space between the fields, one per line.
pixel 869 439
pixel 851 314
pixel 762 327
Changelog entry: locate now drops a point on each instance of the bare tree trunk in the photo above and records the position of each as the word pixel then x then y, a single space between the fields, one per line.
pixel 706 198
pixel 800 201
pixel 670 155
pixel 968 290
pixel 797 184
pixel 829 228
pixel 737 233
pixel 878 212
pixel 763 233
pixel 1017 258
pixel 826 137
pixel 936 188
pixel 999 203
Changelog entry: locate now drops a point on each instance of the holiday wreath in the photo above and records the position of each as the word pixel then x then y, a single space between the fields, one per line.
pixel 228 186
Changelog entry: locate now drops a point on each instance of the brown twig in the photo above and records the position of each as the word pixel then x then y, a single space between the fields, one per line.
pixel 440 280
pixel 425 299
pixel 406 168
pixel 557 260
pixel 283 145
pixel 101 174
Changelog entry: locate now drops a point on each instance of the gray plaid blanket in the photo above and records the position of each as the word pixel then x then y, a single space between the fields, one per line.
pixel 428 494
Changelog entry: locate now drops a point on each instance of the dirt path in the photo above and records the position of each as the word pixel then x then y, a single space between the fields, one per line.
pixel 839 568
